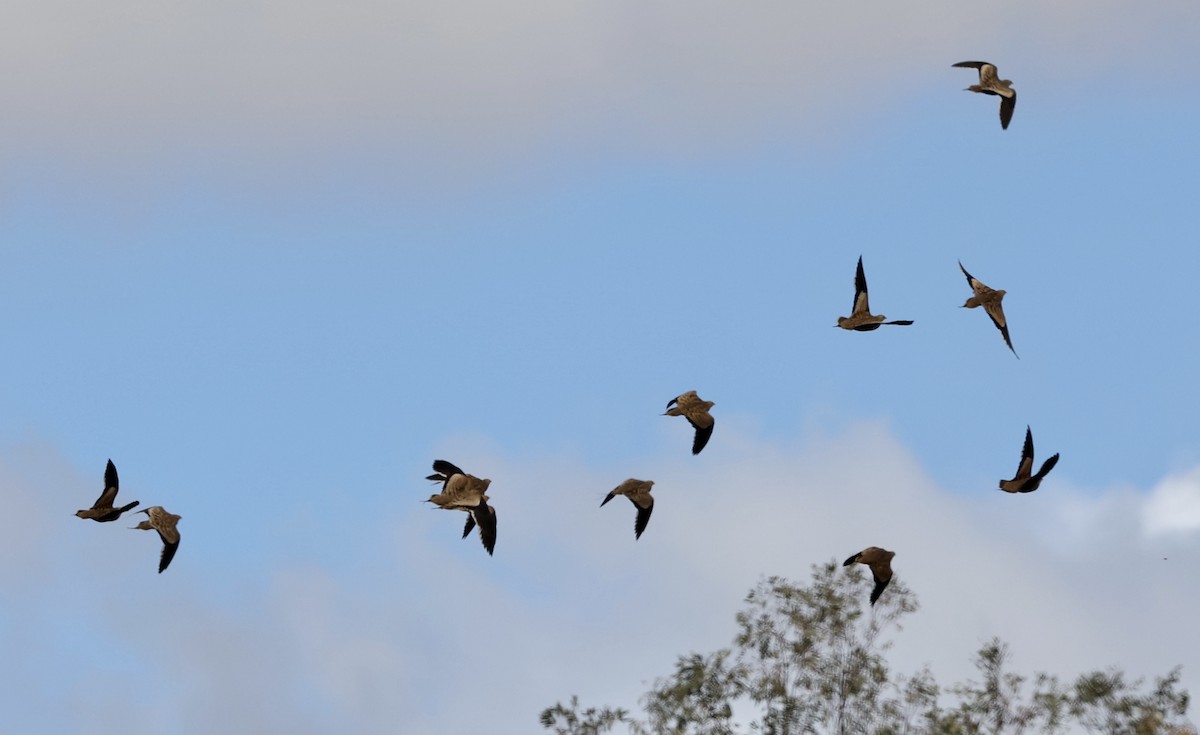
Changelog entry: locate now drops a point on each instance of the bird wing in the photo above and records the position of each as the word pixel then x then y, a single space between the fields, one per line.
pixel 703 434
pixel 470 525
pixel 1026 466
pixel 977 286
pixel 168 553
pixel 852 559
pixel 987 71
pixel 861 305
pixel 645 506
pixel 996 312
pixel 1046 467
pixel 1008 103
pixel 111 483
pixel 110 476
pixel 881 583
pixel 445 468
pixel 485 517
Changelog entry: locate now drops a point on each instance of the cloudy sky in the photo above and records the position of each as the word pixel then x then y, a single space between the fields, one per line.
pixel 274 258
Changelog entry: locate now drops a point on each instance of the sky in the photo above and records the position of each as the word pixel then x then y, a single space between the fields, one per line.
pixel 273 259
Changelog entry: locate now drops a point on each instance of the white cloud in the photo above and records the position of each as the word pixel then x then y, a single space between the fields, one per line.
pixel 138 81
pixel 423 631
pixel 1173 504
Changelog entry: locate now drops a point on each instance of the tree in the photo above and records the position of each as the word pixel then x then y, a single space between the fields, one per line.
pixel 568 721
pixel 810 660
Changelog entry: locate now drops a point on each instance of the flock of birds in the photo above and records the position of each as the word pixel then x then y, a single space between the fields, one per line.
pixel 468 493
pixel 103 511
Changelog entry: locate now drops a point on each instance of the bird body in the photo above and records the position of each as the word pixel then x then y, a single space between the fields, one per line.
pixel 1025 481
pixel 165 523
pixel 638 492
pixel 989 299
pixel 695 410
pixel 861 319
pixel 880 563
pixel 468 493
pixel 991 83
pixel 102 510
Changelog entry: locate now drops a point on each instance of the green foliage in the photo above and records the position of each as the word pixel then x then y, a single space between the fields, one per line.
pixel 569 721
pixel 809 660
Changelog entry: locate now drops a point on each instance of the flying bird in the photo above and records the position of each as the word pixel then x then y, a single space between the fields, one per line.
pixel 989 299
pixel 690 406
pixel 468 493
pixel 163 522
pixel 861 319
pixel 991 83
pixel 638 492
pixel 880 562
pixel 102 510
pixel 1023 482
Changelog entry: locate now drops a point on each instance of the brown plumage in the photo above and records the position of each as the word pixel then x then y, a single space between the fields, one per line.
pixel 861 319
pixel 163 522
pixel 991 83
pixel 989 299
pixel 1024 482
pixel 468 493
pixel 102 510
pixel 638 492
pixel 880 562
pixel 690 406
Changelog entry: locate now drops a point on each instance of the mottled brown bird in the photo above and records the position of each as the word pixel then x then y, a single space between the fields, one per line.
pixel 1024 482
pixel 468 493
pixel 991 83
pixel 880 562
pixel 861 319
pixel 163 522
pixel 989 299
pixel 638 492
pixel 102 510
pixel 691 407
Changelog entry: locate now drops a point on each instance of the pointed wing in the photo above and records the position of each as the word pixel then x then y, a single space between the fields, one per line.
pixel 852 559
pixel 1008 103
pixel 110 488
pixel 987 71
pixel 976 285
pixel 643 516
pixel 881 583
pixel 110 476
pixel 443 467
pixel 168 553
pixel 861 305
pixel 1046 467
pixel 996 312
pixel 703 434
pixel 485 517
pixel 1026 466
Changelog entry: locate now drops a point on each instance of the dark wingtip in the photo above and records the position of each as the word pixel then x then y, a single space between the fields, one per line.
pixel 851 560
pixel 446 468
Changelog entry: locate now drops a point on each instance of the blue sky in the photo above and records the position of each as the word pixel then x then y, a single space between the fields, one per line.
pixel 273 260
